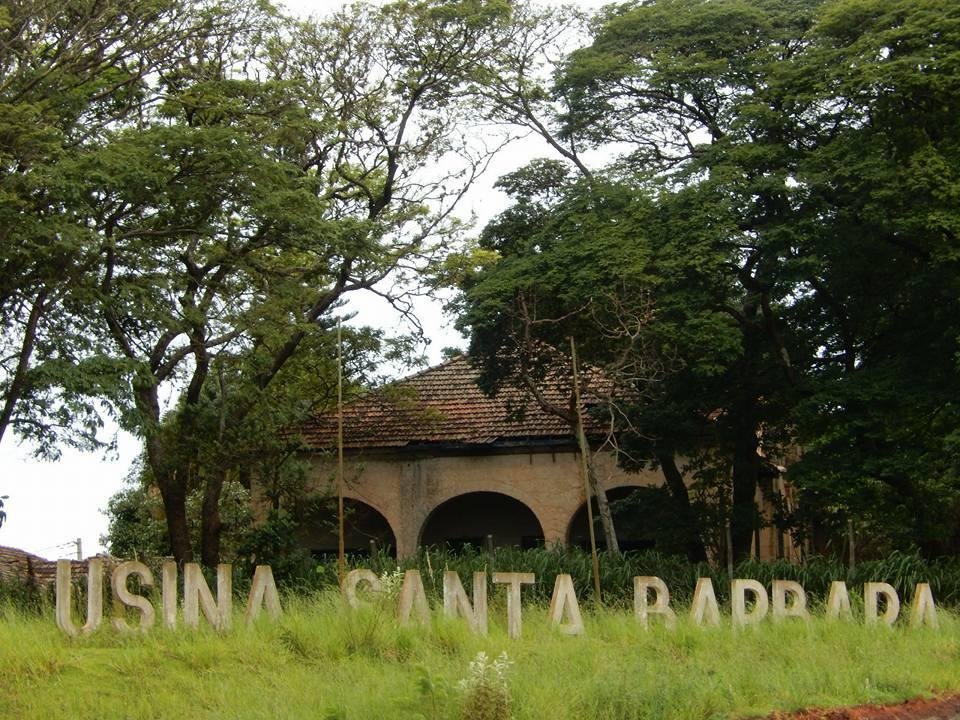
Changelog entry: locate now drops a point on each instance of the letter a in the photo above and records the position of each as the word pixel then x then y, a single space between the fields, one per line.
pixel 838 602
pixel 704 607
pixel 564 602
pixel 922 609
pixel 263 592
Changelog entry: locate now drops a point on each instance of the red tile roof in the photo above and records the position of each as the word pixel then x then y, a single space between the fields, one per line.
pixel 440 405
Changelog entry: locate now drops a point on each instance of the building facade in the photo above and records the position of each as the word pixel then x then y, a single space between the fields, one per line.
pixel 434 460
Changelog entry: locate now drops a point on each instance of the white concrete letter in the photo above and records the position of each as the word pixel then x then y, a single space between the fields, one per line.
pixel 564 603
pixel 353 579
pixel 168 590
pixel 263 592
pixel 455 600
pixel 514 580
pixel 922 609
pixel 197 595
pixel 871 593
pixel 704 607
pixel 838 602
pixel 661 606
pixel 413 598
pixel 798 608
pixel 738 602
pixel 94 597
pixel 118 582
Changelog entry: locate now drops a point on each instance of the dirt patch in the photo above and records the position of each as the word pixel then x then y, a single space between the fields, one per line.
pixel 943 708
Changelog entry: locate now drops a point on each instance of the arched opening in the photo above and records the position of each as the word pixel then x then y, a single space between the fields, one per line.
pixel 479 518
pixel 644 519
pixel 365 530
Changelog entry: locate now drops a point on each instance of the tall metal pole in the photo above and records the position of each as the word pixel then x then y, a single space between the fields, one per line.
pixel 341 557
pixel 584 449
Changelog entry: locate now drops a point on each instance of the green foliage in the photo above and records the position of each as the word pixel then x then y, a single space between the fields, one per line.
pixel 137 527
pixel 794 254
pixel 902 570
pixel 22 596
pixel 190 189
pixel 3 513
pixel 72 73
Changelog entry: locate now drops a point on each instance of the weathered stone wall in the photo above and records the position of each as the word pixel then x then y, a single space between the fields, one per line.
pixel 20 566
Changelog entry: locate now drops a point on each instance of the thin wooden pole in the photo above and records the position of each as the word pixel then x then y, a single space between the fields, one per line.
pixel 729 539
pixel 584 449
pixel 341 556
pixel 853 546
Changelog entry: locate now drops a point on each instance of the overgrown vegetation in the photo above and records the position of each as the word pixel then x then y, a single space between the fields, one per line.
pixel 764 258
pixel 903 571
pixel 321 660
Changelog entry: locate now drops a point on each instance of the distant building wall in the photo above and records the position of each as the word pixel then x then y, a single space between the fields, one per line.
pixel 406 490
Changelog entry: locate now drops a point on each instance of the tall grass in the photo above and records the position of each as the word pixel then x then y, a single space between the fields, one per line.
pixel 322 660
pixel 902 570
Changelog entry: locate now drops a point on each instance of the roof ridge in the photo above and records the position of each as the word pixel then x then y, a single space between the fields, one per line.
pixel 431 368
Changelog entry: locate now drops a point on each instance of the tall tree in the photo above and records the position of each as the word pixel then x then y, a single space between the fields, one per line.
pixel 808 147
pixel 586 260
pixel 193 188
pixel 678 86
pixel 880 289
pixel 251 204
pixel 69 73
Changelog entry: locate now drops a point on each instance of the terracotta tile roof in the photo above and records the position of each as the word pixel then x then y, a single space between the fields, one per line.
pixel 440 405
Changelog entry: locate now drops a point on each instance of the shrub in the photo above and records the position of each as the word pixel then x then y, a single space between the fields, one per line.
pixel 486 695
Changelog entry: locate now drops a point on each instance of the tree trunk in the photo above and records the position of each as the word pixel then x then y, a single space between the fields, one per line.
pixel 18 382
pixel 744 415
pixel 746 472
pixel 174 497
pixel 173 487
pixel 696 552
pixel 603 509
pixel 210 524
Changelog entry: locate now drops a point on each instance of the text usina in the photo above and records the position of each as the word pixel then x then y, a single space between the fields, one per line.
pixel 651 599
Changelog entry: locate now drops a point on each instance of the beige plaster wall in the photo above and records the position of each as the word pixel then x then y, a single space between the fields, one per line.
pixel 405 491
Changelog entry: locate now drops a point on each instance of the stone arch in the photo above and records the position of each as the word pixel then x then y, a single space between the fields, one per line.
pixel 366 528
pixel 642 515
pixel 467 518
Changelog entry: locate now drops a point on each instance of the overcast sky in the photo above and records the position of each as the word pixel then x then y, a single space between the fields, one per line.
pixel 52 504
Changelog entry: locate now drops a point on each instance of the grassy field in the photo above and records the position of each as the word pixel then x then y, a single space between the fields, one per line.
pixel 323 661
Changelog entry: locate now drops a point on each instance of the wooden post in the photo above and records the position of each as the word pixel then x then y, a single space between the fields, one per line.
pixel 584 449
pixel 341 557
pixel 853 545
pixel 729 551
